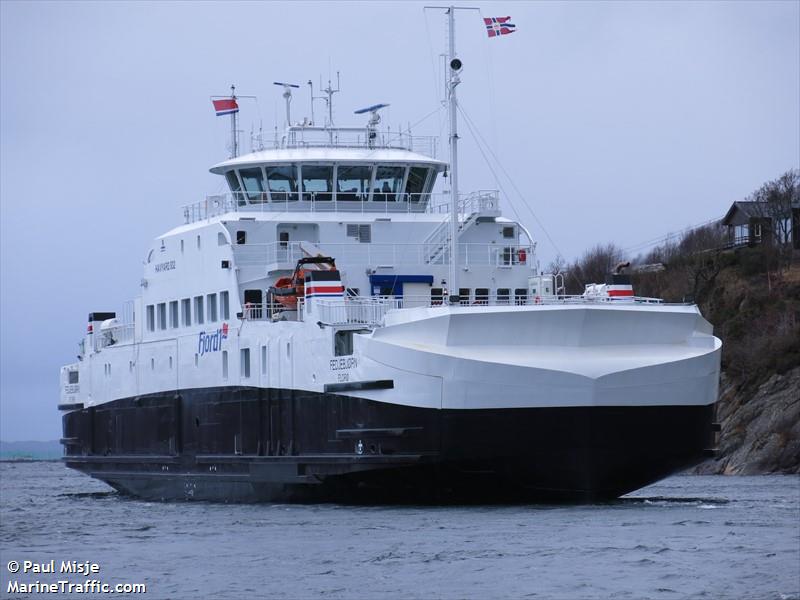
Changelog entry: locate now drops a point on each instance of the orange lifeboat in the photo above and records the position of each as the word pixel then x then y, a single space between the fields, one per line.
pixel 287 290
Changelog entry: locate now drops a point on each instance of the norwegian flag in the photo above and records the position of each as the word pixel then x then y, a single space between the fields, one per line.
pixel 226 106
pixel 496 26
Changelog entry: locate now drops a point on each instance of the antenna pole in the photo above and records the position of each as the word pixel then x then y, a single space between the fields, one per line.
pixel 452 105
pixel 311 85
pixel 234 136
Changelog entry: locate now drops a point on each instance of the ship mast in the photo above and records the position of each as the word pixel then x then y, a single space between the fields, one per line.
pixel 454 79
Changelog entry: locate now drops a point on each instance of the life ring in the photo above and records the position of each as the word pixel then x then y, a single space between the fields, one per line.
pixel 537 300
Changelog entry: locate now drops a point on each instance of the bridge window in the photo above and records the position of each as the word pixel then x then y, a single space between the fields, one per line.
pixel 437 295
pixel 463 294
pixel 417 176
pixel 253 180
pixel 282 183
pixel 317 182
pixel 503 295
pixel 388 182
pixel 352 182
pixel 520 296
pixel 233 182
pixel 481 295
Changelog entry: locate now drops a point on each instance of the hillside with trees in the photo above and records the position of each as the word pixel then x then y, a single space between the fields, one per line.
pixel 749 289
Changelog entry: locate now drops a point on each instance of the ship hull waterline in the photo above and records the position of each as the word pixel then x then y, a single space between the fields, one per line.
pixel 246 444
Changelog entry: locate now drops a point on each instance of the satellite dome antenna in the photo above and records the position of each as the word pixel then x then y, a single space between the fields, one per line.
pixel 287 95
pixel 372 124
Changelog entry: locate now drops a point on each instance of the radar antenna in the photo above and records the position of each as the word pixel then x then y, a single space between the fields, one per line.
pixel 372 124
pixel 287 95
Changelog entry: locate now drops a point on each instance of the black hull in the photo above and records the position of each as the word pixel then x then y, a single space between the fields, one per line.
pixel 249 444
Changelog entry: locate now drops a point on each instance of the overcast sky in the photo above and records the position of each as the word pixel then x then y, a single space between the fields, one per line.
pixel 618 122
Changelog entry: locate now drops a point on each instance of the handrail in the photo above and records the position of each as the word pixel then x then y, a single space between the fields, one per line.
pixel 390 203
pixel 376 254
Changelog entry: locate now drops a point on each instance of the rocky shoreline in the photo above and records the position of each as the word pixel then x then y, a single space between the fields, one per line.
pixel 760 429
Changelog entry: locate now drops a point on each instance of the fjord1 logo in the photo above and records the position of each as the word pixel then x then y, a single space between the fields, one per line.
pixel 212 342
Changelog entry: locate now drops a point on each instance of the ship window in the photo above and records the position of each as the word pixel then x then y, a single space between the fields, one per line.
pixel 162 315
pixel 233 182
pixel 318 182
pixel 481 295
pixel 211 307
pixel 198 242
pixel 416 183
pixel 224 306
pixel 352 182
pixel 436 296
pixel 244 362
pixel 196 359
pixel 503 295
pixel 463 294
pixel 253 181
pixel 72 377
pixel 152 364
pixel 151 317
pixel 198 310
pixel 520 296
pixel 343 343
pixel 283 236
pixel 282 182
pixel 224 364
pixel 263 360
pixel 221 239
pixel 508 232
pixel 170 362
pixel 388 181
pixel 186 307
pixel 173 314
pixel 181 246
pixel 241 237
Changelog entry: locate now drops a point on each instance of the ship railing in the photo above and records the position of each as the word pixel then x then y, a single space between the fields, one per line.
pixel 512 298
pixel 371 311
pixel 356 137
pixel 482 201
pixel 365 311
pixel 388 254
pixel 112 336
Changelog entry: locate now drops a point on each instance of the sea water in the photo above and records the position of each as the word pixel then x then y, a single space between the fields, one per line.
pixel 685 537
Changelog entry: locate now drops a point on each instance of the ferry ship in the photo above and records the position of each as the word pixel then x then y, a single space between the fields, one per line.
pixel 344 324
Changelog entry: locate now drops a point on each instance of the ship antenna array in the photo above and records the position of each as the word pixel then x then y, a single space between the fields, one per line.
pixel 372 124
pixel 287 96
pixel 455 66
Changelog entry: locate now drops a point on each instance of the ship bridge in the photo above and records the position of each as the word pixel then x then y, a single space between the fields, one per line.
pixel 331 169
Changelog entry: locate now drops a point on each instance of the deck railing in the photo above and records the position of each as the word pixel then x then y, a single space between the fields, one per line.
pixel 378 255
pixel 376 203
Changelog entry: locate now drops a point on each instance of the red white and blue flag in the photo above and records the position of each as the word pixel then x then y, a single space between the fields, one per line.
pixel 226 106
pixel 499 26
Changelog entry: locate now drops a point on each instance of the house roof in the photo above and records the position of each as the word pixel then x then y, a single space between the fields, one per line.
pixel 740 212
